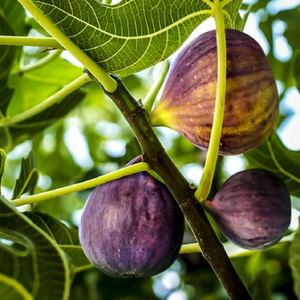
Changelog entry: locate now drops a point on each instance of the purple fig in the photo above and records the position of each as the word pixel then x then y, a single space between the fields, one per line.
pixel 131 227
pixel 252 209
pixel 188 99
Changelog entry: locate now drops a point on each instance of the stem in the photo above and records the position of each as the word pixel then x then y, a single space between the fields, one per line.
pixel 65 91
pixel 213 150
pixel 40 63
pixel 30 41
pixel 155 155
pixel 107 2
pixel 151 95
pixel 108 83
pixel 139 167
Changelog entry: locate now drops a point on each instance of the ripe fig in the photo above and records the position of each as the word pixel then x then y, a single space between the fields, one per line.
pixel 131 227
pixel 252 209
pixel 188 99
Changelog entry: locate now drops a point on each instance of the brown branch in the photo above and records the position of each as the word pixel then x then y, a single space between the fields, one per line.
pixel 155 155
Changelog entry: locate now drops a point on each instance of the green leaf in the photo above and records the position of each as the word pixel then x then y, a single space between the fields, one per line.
pixel 15 12
pixel 295 261
pixel 30 261
pixel 7 56
pixel 132 35
pixel 34 87
pixel 3 159
pixel 275 157
pixel 27 179
pixel 67 238
pixel 11 289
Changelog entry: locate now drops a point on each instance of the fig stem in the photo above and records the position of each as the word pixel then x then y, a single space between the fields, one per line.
pixel 107 81
pixel 65 91
pixel 213 149
pixel 159 161
pixel 151 95
pixel 40 63
pixel 139 167
pixel 30 41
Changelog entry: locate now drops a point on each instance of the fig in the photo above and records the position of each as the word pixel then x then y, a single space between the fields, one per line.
pixel 188 99
pixel 131 227
pixel 252 209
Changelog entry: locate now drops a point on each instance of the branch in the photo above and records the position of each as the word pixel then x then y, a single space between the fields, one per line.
pixel 155 155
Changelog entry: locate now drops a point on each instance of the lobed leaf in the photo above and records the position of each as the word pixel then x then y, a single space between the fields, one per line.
pixel 67 238
pixel 275 157
pixel 132 35
pixel 27 179
pixel 31 263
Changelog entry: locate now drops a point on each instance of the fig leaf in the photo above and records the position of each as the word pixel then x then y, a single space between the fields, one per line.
pixel 27 179
pixel 132 35
pixel 64 236
pixel 275 157
pixel 45 270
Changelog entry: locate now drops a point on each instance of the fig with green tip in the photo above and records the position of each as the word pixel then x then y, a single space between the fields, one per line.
pixel 131 227
pixel 252 209
pixel 188 99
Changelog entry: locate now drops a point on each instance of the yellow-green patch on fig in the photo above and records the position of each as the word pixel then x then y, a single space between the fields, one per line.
pixel 188 99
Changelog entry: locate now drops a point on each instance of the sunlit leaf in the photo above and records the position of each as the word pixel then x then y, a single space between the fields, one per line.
pixel 67 238
pixel 27 179
pixel 275 157
pixel 32 88
pixel 132 35
pixel 31 258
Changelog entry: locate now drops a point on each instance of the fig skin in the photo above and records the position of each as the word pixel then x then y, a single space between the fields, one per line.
pixel 188 98
pixel 132 227
pixel 252 209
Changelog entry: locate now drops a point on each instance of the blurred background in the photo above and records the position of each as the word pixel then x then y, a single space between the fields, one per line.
pixel 94 139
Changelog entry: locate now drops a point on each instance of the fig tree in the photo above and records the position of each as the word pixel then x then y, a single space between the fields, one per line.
pixel 131 227
pixel 252 209
pixel 188 98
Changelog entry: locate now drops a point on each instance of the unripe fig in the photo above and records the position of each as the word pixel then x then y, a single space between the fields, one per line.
pixel 131 227
pixel 188 99
pixel 252 209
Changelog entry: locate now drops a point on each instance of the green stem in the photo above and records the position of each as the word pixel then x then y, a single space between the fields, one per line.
pixel 107 2
pixel 159 161
pixel 65 91
pixel 151 95
pixel 108 83
pixel 213 150
pixel 139 167
pixel 40 63
pixel 30 41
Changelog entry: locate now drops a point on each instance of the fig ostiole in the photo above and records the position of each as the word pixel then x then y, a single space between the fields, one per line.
pixel 131 227
pixel 188 98
pixel 252 209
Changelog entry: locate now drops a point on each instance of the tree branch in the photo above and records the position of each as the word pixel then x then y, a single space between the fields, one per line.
pixel 155 155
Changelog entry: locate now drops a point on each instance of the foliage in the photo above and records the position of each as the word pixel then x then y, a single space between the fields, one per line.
pixel 83 135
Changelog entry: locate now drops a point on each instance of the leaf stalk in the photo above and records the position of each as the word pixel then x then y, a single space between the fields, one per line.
pixel 108 83
pixel 139 167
